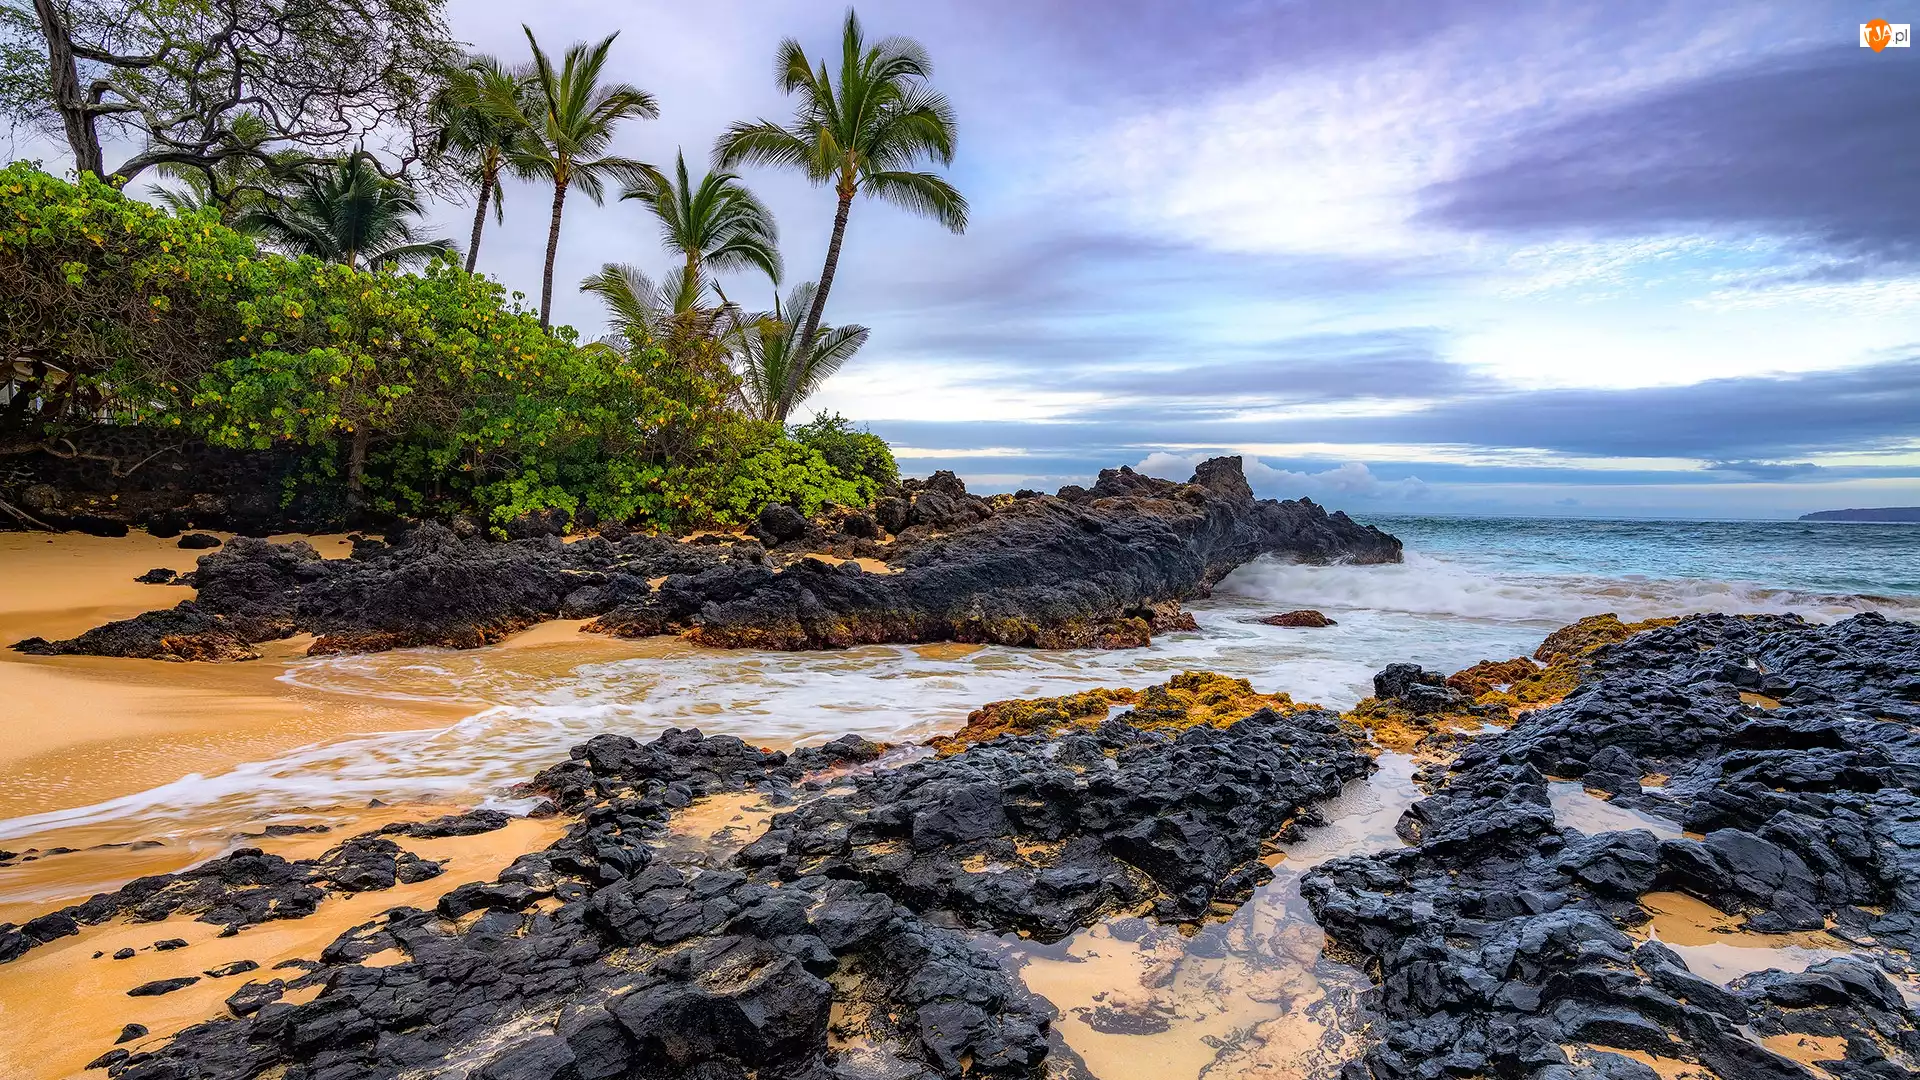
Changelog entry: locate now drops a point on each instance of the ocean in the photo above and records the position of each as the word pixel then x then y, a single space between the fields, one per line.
pixel 1470 589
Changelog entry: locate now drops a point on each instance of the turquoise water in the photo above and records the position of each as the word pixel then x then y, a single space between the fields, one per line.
pixel 1812 557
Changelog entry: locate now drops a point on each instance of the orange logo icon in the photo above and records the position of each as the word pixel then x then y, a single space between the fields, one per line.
pixel 1879 34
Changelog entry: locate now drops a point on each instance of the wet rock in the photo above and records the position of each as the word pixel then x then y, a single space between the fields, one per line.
pixel 163 986
pixel 1505 923
pixel 132 1032
pixel 1105 567
pixel 198 541
pixel 1008 835
pixel 159 575
pixel 109 1059
pixel 648 969
pixel 1305 617
pixel 254 996
pixel 237 967
pixel 170 944
pixel 185 632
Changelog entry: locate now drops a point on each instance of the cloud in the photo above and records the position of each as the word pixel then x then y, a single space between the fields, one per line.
pixel 1311 368
pixel 1873 407
pixel 1817 145
pixel 1767 470
pixel 1352 480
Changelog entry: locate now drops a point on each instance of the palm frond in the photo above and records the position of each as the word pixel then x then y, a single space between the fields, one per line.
pixel 924 193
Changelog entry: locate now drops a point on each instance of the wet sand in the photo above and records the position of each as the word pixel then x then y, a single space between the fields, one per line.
pixel 87 993
pixel 76 730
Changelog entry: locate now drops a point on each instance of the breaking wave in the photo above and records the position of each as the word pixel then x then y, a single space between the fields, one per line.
pixel 1436 586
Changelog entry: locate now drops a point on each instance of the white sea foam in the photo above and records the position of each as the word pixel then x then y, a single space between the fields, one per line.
pixel 1432 586
pixel 532 705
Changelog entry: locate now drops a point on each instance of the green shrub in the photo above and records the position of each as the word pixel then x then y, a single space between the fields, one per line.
pixel 422 394
pixel 116 307
pixel 860 456
pixel 771 468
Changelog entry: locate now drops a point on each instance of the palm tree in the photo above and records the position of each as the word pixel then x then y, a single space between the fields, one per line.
pixel 481 117
pixel 640 310
pixel 569 133
pixel 863 134
pixel 764 346
pixel 232 186
pixel 350 214
pixel 716 225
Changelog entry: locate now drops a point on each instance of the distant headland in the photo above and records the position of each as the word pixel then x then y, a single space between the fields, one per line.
pixel 1883 513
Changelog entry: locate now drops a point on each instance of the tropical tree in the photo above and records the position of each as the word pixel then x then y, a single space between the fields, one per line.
pixel 232 187
pixel 863 133
pixel 480 119
pixel 572 124
pixel 765 345
pixel 714 226
pixel 170 79
pixel 350 214
pixel 640 310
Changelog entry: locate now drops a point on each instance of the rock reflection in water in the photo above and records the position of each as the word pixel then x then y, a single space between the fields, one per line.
pixel 1717 946
pixel 1249 996
pixel 1574 807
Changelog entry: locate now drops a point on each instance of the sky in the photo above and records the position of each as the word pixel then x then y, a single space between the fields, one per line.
pixel 1622 259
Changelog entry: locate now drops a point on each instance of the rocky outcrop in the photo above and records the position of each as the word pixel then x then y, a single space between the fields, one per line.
pixel 600 956
pixel 1506 945
pixel 1105 567
pixel 1044 833
pixel 1502 941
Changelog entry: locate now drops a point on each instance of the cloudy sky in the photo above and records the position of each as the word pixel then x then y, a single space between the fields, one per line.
pixel 1613 259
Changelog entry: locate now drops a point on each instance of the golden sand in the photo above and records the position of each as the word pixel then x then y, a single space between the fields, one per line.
pixel 1808 1050
pixel 62 1007
pixel 75 730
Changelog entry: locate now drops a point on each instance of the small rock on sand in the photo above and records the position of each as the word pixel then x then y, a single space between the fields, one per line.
pixel 163 986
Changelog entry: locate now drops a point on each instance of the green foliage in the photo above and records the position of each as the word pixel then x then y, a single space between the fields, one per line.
pixel 860 456
pixel 775 469
pixel 426 394
pixel 115 306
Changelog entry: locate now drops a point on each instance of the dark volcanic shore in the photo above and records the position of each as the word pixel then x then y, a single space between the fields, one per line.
pixel 1105 567
pixel 1502 941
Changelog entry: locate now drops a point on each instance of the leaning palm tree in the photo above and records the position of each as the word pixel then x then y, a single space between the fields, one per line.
pixel 350 214
pixel 714 226
pixel 864 133
pixel 763 348
pixel 480 117
pixel 568 131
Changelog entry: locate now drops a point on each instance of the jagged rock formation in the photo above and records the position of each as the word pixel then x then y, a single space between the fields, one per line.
pixel 1102 567
pixel 602 956
pixel 1500 940
pixel 1503 944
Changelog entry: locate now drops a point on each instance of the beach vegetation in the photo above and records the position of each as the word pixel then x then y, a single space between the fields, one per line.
pixel 428 393
pixel 865 131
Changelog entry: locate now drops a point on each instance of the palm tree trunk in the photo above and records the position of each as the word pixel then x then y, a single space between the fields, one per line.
pixel 479 219
pixel 553 249
pixel 796 364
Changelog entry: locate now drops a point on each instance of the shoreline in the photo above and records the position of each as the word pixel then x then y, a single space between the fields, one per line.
pixel 75 731
pixel 1236 846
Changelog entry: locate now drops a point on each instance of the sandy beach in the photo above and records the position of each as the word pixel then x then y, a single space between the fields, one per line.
pixel 75 731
